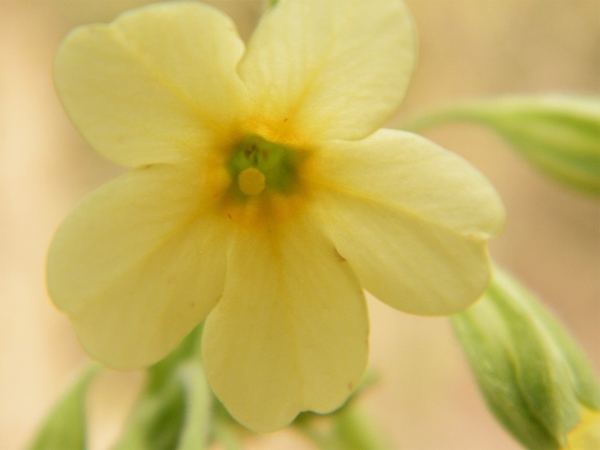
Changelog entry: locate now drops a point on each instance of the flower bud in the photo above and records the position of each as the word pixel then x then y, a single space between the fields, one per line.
pixel 559 134
pixel 534 377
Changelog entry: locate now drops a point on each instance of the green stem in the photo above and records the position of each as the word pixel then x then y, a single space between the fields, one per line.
pixel 323 441
pixel 225 436
pixel 467 111
pixel 351 430
pixel 356 430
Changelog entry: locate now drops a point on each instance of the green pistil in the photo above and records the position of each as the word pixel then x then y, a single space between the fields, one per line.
pixel 278 164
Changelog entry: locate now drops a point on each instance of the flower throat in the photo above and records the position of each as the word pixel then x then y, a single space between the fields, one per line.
pixel 258 165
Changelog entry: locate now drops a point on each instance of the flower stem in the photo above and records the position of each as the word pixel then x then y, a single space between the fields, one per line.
pixel 351 430
pixel 225 436
pixel 357 431
pixel 466 111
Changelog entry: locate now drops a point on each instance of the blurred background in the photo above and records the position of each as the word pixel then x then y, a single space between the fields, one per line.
pixel 426 397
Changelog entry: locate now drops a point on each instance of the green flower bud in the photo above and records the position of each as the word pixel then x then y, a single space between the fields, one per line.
pixel 559 134
pixel 534 377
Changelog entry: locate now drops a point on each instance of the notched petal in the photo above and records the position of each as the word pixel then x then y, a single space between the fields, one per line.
pixel 412 219
pixel 137 266
pixel 290 334
pixel 156 85
pixel 323 69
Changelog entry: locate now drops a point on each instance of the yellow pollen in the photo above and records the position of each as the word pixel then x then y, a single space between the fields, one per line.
pixel 251 181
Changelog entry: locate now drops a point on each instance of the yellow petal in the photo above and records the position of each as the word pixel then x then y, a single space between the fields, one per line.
pixel 153 85
pixel 289 333
pixel 329 68
pixel 586 435
pixel 137 266
pixel 412 219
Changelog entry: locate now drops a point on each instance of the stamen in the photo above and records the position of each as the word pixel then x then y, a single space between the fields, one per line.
pixel 251 181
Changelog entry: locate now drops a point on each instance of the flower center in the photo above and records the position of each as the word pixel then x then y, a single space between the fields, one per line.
pixel 251 181
pixel 258 164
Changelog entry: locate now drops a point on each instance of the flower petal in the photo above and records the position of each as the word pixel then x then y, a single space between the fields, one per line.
pixel 329 68
pixel 412 219
pixel 154 84
pixel 137 266
pixel 288 335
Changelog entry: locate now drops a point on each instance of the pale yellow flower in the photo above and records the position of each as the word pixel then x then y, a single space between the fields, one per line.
pixel 586 435
pixel 261 197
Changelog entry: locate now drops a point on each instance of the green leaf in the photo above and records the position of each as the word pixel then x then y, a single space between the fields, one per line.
pixel 174 408
pixel 559 134
pixel 196 426
pixel 65 428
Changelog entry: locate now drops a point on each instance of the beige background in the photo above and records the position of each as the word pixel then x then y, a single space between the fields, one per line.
pixel 426 398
